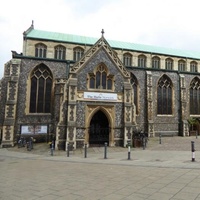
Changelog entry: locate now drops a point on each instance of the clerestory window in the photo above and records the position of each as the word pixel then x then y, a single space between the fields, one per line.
pixel 181 65
pixel 59 52
pixel 40 50
pixel 193 67
pixel 156 62
pixel 127 59
pixel 169 64
pixel 142 61
pixel 78 53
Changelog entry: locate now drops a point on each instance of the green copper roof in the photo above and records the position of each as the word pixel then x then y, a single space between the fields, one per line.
pixel 62 37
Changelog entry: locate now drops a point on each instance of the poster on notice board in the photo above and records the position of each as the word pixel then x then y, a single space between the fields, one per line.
pixel 33 129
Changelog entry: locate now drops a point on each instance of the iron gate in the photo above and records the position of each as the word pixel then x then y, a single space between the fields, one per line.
pixel 98 136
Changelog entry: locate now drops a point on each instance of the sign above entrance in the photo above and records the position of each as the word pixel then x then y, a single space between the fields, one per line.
pixel 100 96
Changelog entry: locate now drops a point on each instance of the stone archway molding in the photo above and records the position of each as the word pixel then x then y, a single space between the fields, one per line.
pixel 109 113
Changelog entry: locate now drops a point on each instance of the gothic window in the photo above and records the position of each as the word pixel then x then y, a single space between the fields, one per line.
pixel 164 96
pixel 181 66
pixel 41 86
pixel 156 62
pixel 40 50
pixel 101 79
pixel 193 67
pixel 78 53
pixel 59 52
pixel 169 64
pixel 142 61
pixel 127 59
pixel 134 84
pixel 195 96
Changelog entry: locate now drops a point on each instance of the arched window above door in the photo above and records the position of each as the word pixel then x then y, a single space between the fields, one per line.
pixel 101 79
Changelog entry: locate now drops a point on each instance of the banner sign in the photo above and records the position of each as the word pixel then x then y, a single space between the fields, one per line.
pixel 33 129
pixel 100 96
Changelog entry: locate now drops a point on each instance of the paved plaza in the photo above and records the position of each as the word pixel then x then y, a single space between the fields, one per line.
pixel 161 171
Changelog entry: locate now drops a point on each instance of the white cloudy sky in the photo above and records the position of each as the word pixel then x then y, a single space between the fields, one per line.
pixel 170 23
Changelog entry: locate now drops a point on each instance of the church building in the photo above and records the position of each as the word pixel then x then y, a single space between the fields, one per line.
pixel 81 90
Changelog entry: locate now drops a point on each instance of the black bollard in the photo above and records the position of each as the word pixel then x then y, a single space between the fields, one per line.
pixel 105 151
pixel 196 135
pixel 29 144
pixel 85 150
pixel 160 137
pixel 144 143
pixel 129 151
pixel 52 148
pixel 193 151
pixel 68 150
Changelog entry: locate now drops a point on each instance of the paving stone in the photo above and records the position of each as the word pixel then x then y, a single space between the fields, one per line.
pixel 161 171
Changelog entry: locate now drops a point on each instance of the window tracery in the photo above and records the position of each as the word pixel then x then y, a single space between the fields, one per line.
pixel 40 92
pixel 164 96
pixel 78 53
pixel 59 52
pixel 195 96
pixel 40 50
pixel 134 84
pixel 101 79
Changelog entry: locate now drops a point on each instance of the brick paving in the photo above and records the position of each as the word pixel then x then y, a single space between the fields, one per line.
pixel 161 171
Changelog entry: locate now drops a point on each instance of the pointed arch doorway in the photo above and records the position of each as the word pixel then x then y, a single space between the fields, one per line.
pixel 99 129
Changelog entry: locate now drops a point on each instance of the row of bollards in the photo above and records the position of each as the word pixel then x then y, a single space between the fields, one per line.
pixel 129 150
pixel 105 151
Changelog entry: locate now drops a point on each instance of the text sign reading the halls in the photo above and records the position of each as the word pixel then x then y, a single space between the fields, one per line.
pixel 100 96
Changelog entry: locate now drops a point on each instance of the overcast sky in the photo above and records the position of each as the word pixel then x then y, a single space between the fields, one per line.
pixel 172 23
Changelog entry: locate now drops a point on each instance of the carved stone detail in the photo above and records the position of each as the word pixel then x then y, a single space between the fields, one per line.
pixel 71 133
pixel 71 118
pixel 101 43
pixel 128 114
pixel 128 95
pixel 128 134
pixel 72 92
pixel 149 96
